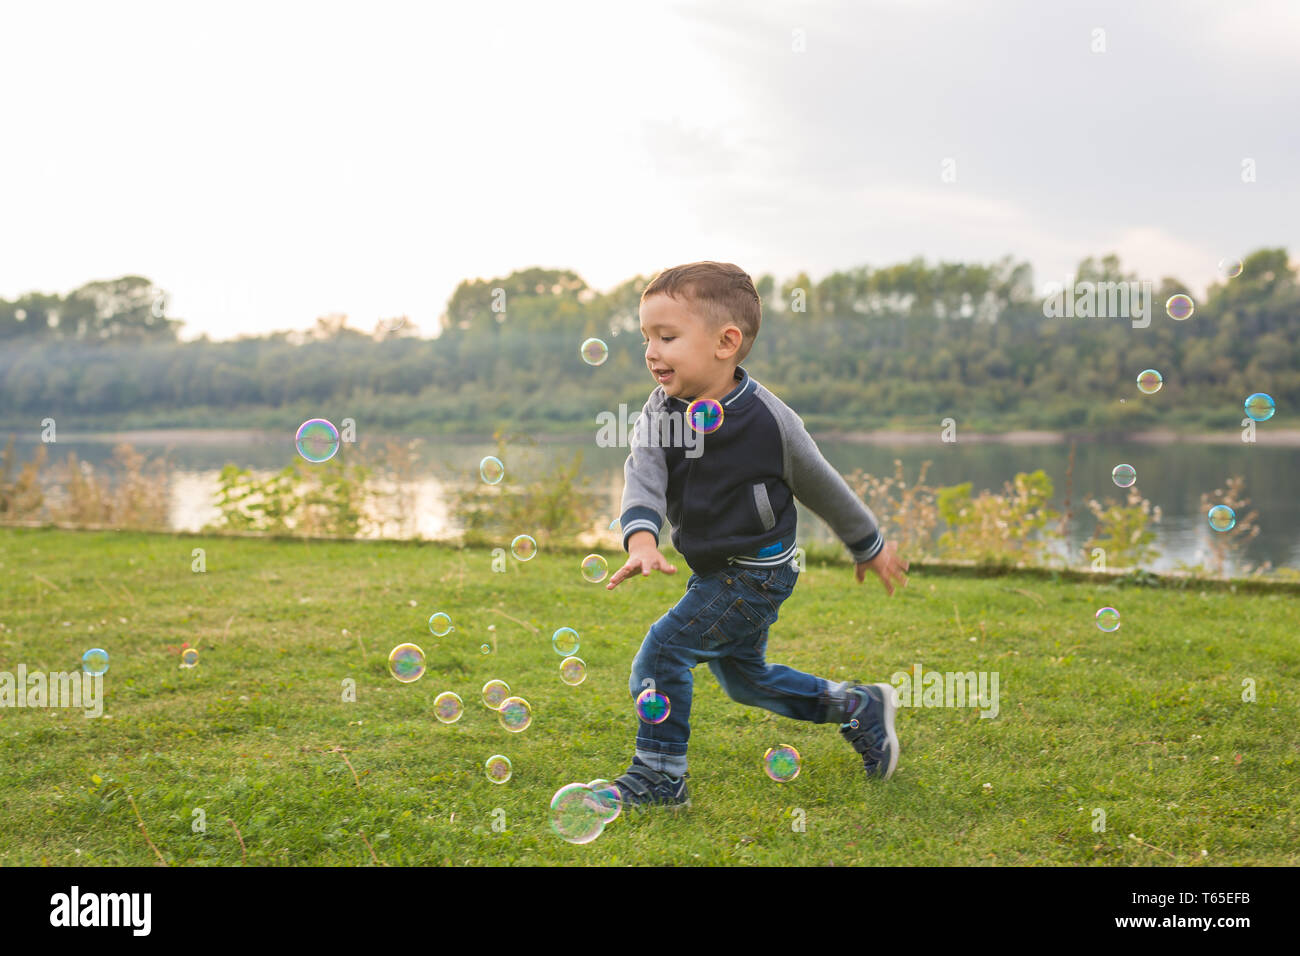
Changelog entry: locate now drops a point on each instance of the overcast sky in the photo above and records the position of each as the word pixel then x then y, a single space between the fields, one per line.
pixel 267 163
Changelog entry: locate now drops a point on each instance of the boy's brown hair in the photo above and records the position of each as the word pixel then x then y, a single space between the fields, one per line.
pixel 721 291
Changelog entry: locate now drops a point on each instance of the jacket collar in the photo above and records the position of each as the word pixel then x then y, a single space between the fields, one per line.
pixel 737 397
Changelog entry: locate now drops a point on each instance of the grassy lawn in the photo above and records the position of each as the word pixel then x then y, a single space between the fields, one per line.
pixel 1146 723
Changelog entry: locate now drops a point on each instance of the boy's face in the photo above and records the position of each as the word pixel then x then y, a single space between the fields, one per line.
pixel 683 354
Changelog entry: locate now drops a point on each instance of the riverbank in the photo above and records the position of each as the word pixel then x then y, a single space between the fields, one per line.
pixel 1264 435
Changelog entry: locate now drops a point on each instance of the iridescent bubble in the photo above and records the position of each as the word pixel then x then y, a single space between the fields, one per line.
pixel 1260 407
pixel 406 663
pixel 491 470
pixel 190 657
pixel 1222 518
pixel 494 692
pixel 94 661
pixel 515 714
pixel 1150 381
pixel 1229 267
pixel 523 547
pixel 576 814
pixel 854 723
pixel 594 352
pixel 439 624
pixel 1124 475
pixel 448 707
pixel 485 648
pixel 613 524
pixel 704 415
pixel 317 440
pixel 1180 307
pixel 573 671
pixel 1108 619
pixel 609 797
pixel 498 768
pixel 594 568
pixel 782 763
pixel 652 706
pixel 565 641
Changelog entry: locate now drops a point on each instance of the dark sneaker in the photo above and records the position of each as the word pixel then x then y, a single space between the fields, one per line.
pixel 643 787
pixel 870 729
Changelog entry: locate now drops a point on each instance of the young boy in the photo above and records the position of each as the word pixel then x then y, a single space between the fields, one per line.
pixel 730 497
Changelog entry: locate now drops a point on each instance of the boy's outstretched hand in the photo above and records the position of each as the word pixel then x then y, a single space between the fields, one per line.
pixel 889 567
pixel 644 561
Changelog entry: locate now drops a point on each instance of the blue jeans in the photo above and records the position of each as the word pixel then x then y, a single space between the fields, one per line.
pixel 722 619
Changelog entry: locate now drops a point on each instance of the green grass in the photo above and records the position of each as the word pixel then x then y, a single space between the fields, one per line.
pixel 1146 723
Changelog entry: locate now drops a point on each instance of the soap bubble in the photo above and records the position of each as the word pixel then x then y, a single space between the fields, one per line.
pixel 190 657
pixel 515 714
pixel 1229 267
pixel 1150 381
pixel 652 706
pixel 439 624
pixel 523 547
pixel 485 648
pixel 1180 307
pixel 406 662
pixel 609 797
pixel 594 568
pixel 1108 619
pixel 577 815
pixel 498 768
pixel 704 415
pixel 1124 475
pixel 317 440
pixel 448 707
pixel 94 661
pixel 782 763
pixel 565 641
pixel 494 692
pixel 1222 518
pixel 594 352
pixel 573 671
pixel 1260 407
pixel 613 524
pixel 491 470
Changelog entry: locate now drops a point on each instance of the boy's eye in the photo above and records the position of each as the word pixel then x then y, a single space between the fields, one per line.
pixel 669 338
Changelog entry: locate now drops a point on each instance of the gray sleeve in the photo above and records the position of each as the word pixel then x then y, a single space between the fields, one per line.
pixel 819 486
pixel 645 480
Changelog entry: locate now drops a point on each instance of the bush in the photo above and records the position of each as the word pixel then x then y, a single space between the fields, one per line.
pixel 20 497
pixel 907 515
pixel 556 506
pixel 328 499
pixel 1000 529
pixel 1122 530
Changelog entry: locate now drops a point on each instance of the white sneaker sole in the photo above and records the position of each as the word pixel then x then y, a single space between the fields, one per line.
pixel 888 691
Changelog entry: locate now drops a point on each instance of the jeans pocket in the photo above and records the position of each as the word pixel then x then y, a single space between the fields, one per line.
pixel 768 586
pixel 744 617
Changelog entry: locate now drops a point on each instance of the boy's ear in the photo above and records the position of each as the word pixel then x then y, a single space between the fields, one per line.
pixel 730 338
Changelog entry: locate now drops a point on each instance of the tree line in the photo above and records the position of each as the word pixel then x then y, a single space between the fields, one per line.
pixel 905 345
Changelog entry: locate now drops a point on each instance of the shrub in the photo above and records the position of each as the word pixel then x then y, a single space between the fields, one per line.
pixel 1123 530
pixel 908 515
pixel 20 496
pixel 1003 528
pixel 556 506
